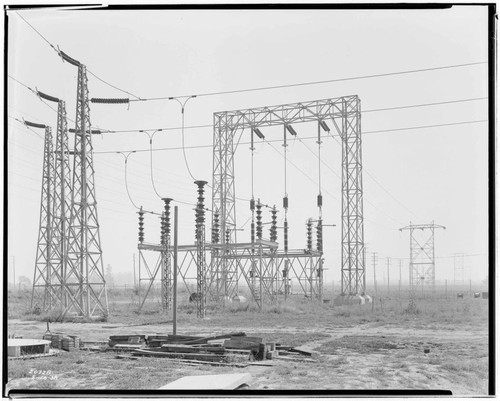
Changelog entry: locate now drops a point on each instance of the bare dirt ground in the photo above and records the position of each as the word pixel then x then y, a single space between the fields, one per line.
pixel 357 348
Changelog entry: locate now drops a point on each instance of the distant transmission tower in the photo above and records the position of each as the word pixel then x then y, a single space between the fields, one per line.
pixel 458 268
pixel 422 259
pixel 46 279
pixel 85 272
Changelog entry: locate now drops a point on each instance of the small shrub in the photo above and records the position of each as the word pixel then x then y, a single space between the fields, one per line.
pixel 411 309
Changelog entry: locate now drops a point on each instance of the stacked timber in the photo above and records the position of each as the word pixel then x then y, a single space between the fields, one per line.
pixel 132 341
pixel 211 349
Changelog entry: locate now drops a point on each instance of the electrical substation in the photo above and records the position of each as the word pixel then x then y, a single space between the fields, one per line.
pixel 231 202
pixel 69 272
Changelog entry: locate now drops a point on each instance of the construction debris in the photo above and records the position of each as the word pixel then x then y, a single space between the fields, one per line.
pixel 235 349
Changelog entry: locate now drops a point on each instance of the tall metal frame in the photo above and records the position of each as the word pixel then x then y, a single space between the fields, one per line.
pixel 422 257
pixel 85 281
pixel 345 114
pixel 46 280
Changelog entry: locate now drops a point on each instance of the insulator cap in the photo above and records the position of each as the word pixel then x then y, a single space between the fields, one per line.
pixel 320 200
pixel 285 202
pixel 252 204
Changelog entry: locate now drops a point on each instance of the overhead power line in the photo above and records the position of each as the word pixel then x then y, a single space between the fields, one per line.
pixel 327 81
pixel 386 74
pixel 304 138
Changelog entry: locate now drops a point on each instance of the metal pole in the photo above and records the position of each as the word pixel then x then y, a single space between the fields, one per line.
pixel 388 263
pixel 135 283
pixel 14 270
pixel 175 272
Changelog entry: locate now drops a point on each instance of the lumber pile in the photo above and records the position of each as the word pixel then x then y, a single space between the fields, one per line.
pixel 216 349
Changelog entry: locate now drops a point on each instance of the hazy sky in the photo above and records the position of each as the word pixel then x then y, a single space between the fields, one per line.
pixel 420 175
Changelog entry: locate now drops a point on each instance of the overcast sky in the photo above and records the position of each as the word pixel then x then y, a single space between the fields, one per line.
pixel 419 175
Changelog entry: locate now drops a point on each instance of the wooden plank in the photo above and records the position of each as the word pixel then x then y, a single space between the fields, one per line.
pixel 205 339
pixel 209 382
pixel 188 349
pixel 128 346
pixel 291 359
pixel 241 345
pixel 202 357
pixel 304 351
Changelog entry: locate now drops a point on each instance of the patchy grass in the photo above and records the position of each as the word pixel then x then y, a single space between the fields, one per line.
pixel 360 344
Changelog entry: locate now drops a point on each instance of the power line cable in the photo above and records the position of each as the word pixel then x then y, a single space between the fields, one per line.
pixel 59 54
pixel 320 82
pixel 268 87
pixel 363 111
pixel 305 138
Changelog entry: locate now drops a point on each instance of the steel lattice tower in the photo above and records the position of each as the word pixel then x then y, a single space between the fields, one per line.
pixel 422 257
pixel 345 114
pixel 85 273
pixel 62 193
pixel 46 279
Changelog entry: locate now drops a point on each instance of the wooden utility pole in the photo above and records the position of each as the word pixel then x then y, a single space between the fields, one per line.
pixel 175 272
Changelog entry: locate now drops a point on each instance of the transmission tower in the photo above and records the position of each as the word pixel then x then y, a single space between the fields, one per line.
pixel 85 273
pixel 46 279
pixel 422 259
pixel 458 268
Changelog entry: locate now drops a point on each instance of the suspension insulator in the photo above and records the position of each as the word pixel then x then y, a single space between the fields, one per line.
pixel 252 204
pixel 34 125
pixel 252 232
pixel 309 235
pixel 215 229
pixel 141 226
pixel 285 235
pixel 319 236
pixel 320 200
pixel 285 202
pixel 109 100
pixel 228 236
pixel 274 230
pixel 47 97
pixel 70 60
pixel 259 220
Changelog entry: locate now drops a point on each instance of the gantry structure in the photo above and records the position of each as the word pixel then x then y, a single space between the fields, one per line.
pixel 422 256
pixel 225 266
pixel 345 115
pixel 70 276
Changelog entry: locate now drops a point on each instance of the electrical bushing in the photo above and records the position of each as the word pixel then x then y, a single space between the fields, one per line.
pixel 319 236
pixel 215 229
pixel 141 226
pixel 309 235
pixel 259 220
pixel 200 208
pixel 274 230
pixel 285 235
pixel 167 215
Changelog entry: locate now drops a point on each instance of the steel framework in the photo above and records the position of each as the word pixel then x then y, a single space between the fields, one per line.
pixel 46 279
pixel 422 256
pixel 84 278
pixel 345 115
pixel 58 214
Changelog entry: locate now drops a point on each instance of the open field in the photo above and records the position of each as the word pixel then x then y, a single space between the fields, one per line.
pixel 379 346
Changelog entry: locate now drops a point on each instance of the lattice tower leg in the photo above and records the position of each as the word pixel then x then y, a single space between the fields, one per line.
pixel 85 272
pixel 353 263
pixel 44 294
